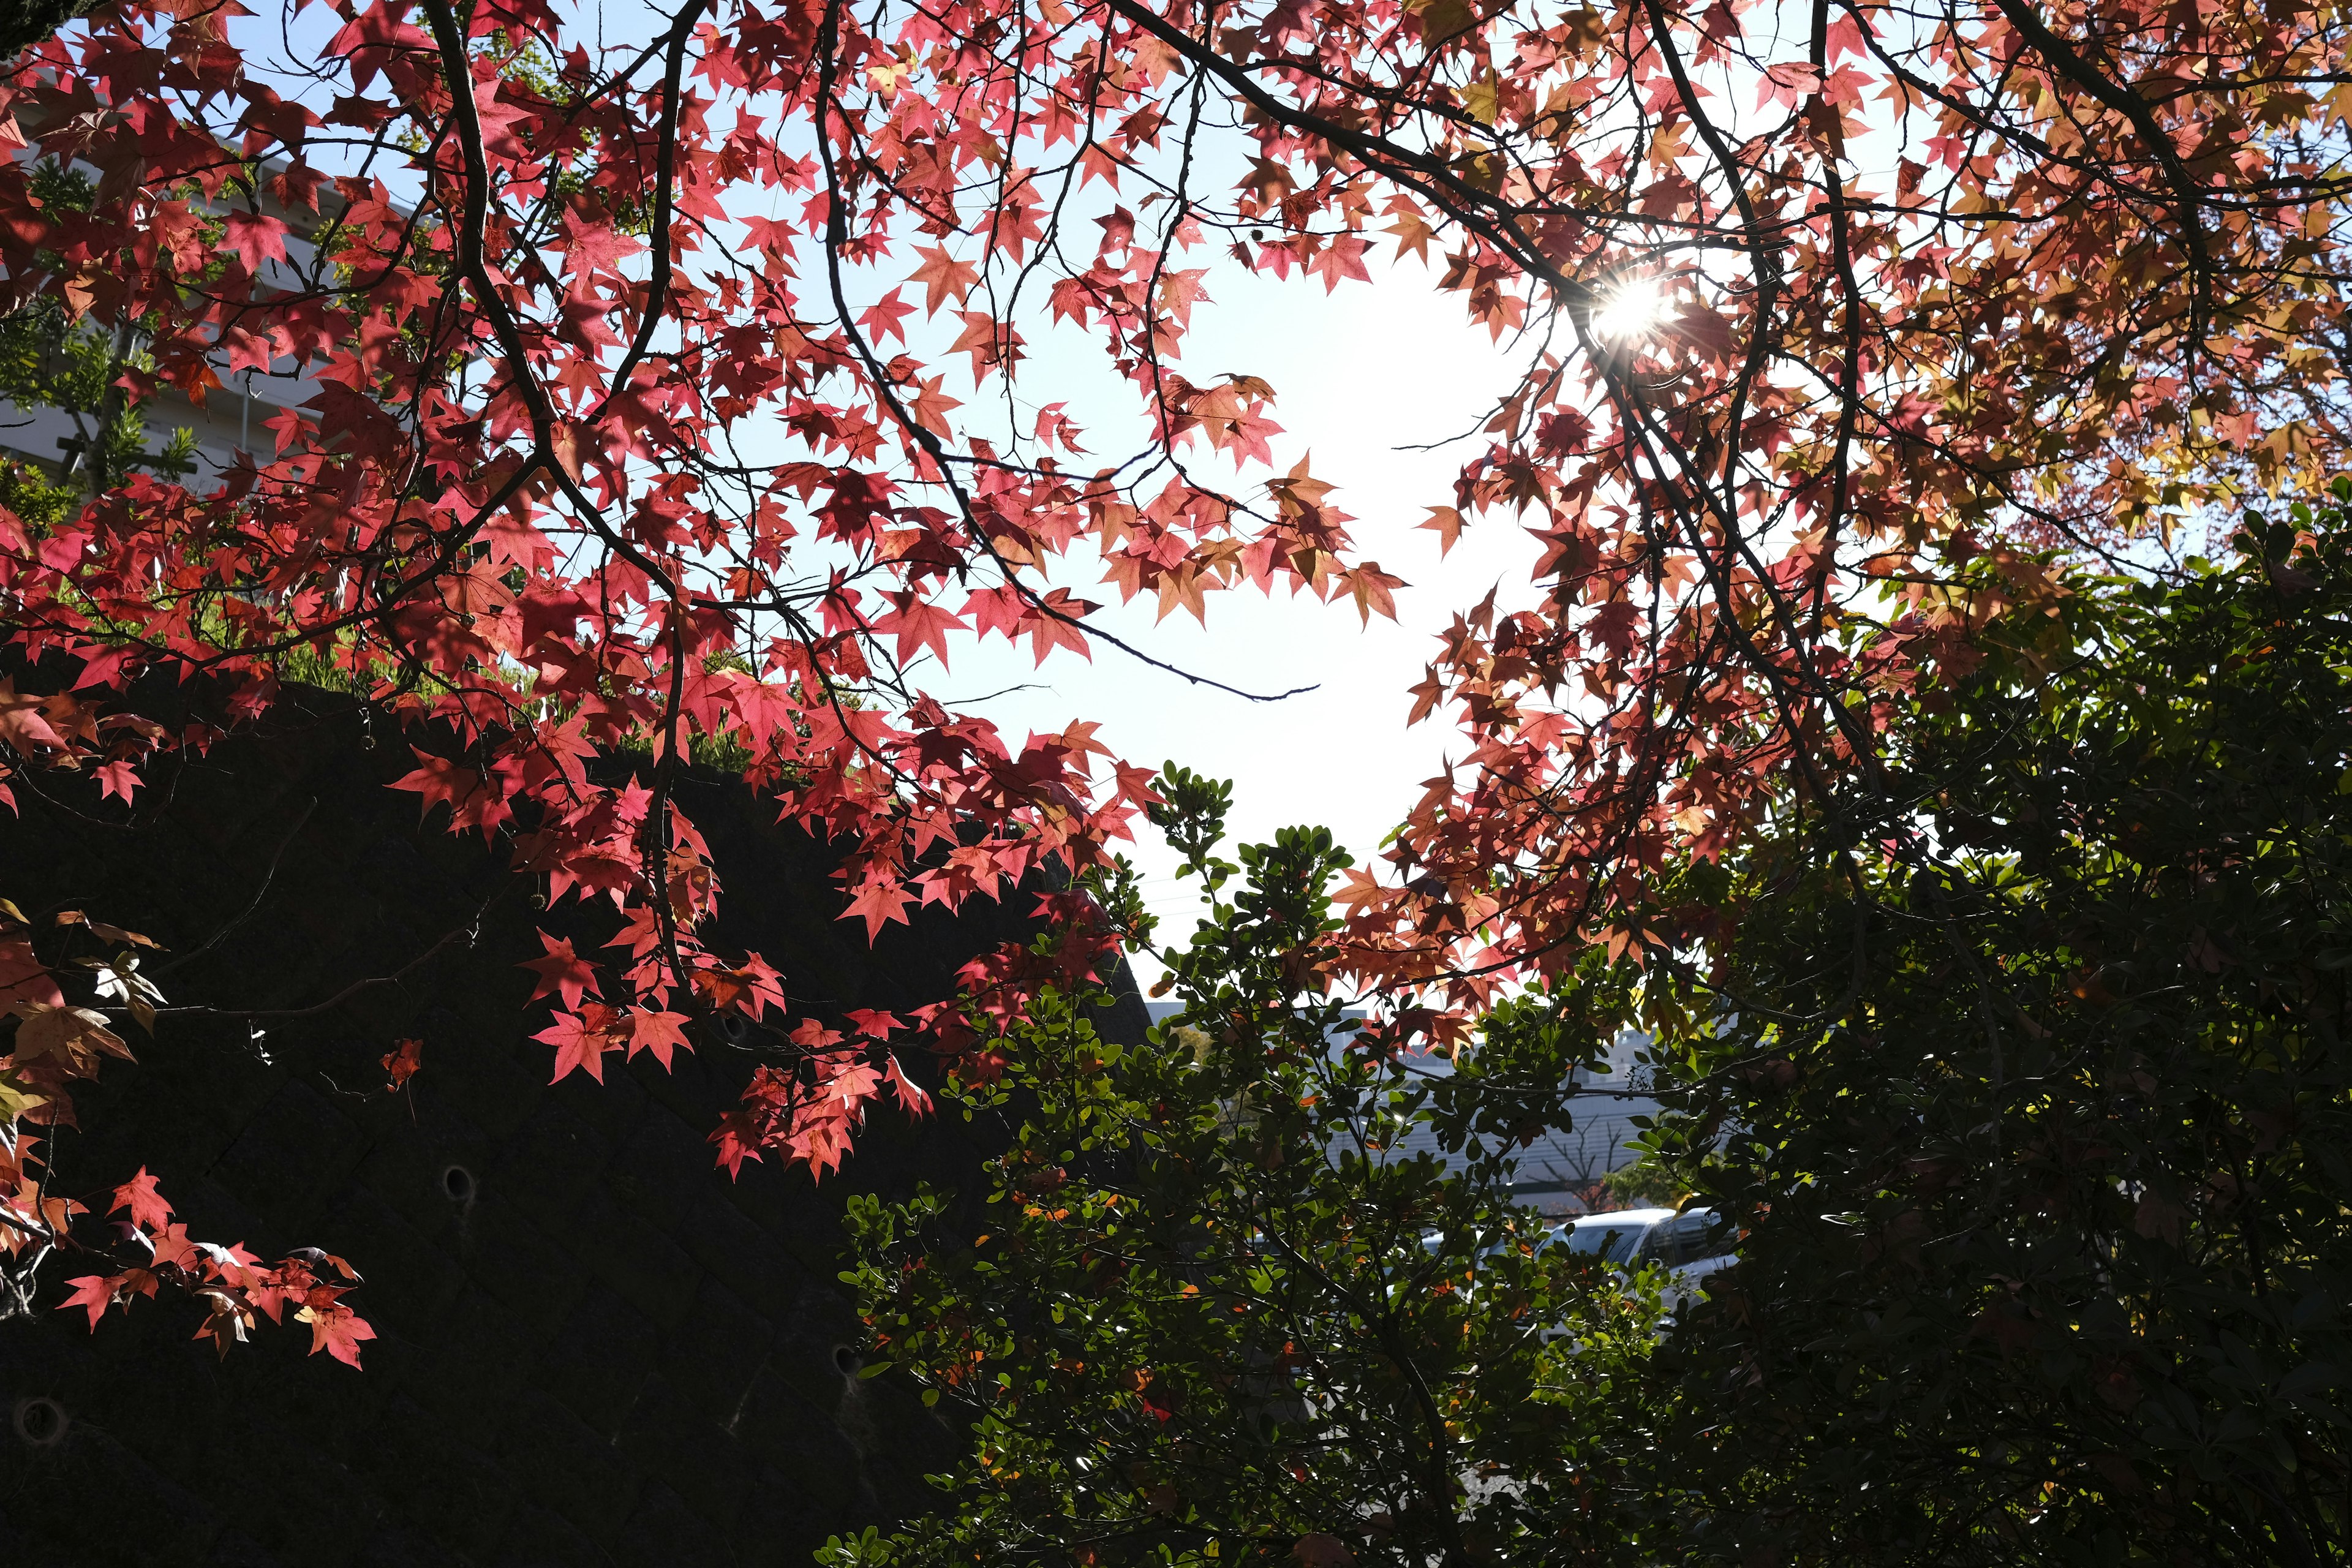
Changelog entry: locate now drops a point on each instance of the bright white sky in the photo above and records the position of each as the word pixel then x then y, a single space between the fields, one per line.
pixel 1358 374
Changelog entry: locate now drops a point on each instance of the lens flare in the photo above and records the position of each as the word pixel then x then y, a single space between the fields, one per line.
pixel 1629 311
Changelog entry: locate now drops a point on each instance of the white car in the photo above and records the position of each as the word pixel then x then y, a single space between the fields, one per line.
pixel 1689 1246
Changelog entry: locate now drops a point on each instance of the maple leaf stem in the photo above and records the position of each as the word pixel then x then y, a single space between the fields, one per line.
pixel 469 930
pixel 2134 109
pixel 1491 218
pixel 666 176
pixel 1850 369
pixel 269 876
pixel 458 67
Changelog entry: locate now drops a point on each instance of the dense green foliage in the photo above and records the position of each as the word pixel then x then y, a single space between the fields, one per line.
pixel 1641 1183
pixel 2044 1152
pixel 1205 1314
pixel 47 361
pixel 30 494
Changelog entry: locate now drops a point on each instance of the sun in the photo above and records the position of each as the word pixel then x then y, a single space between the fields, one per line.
pixel 1628 312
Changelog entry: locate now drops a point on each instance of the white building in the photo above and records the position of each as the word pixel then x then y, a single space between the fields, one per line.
pixel 233 417
pixel 1557 1168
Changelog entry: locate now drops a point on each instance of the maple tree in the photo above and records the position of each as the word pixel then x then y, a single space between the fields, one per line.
pixel 618 413
pixel 56 1045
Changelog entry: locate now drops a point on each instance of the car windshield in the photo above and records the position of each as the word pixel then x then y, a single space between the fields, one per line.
pixel 1615 1243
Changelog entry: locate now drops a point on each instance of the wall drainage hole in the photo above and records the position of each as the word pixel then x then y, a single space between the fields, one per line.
pixel 458 1182
pixel 847 1360
pixel 40 1421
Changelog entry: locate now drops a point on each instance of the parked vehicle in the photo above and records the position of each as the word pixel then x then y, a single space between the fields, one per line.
pixel 1689 1246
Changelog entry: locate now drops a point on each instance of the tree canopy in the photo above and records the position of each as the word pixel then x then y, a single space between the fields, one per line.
pixel 1208 1306
pixel 619 409
pixel 2039 1152
pixel 2033 1162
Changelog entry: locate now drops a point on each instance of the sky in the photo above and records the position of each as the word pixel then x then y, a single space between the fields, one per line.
pixel 1359 376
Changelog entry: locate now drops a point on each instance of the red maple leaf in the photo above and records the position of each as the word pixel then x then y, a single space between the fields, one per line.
pixel 334 1328
pixel 171 1245
pixel 24 725
pixel 93 1292
pixel 943 278
pixel 148 1209
pixel 440 781
pixel 23 977
pixel 581 1040
pixel 561 972
pixel 400 1063
pixel 852 1084
pixel 751 989
pixel 911 1098
pixel 738 1138
pixel 878 900
pixel 256 237
pixel 919 623
pixel 659 1032
pixel 884 318
pixel 117 780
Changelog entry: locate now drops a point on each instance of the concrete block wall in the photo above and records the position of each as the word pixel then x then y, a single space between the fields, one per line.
pixel 594 1348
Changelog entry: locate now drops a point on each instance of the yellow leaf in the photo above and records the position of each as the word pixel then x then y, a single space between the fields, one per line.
pixel 1482 100
pixel 1443 18
pixel 15 1099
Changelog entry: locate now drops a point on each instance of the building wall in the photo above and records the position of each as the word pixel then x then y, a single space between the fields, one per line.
pixel 235 417
pixel 232 418
pixel 595 1347
pixel 1556 1169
